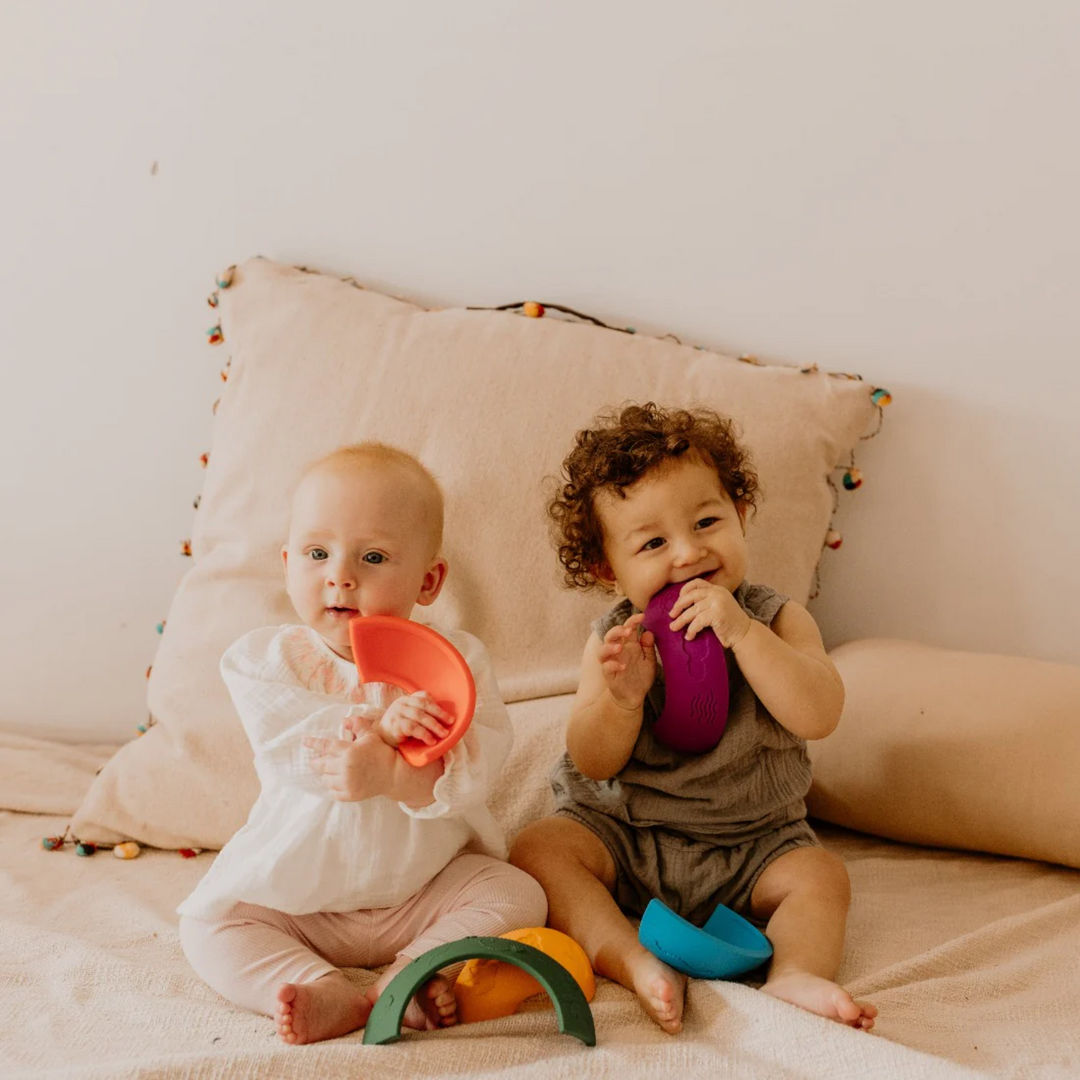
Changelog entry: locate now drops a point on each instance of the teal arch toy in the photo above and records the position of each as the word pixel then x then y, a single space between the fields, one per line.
pixel 726 946
pixel 571 1008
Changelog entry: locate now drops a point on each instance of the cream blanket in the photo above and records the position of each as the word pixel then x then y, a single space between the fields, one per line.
pixel 974 962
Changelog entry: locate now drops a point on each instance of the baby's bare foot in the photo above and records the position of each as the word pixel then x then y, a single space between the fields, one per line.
pixel 323 1009
pixel 433 1007
pixel 661 989
pixel 818 995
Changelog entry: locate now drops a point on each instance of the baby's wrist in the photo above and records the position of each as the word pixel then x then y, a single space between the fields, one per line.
pixel 387 735
pixel 737 641
pixel 626 706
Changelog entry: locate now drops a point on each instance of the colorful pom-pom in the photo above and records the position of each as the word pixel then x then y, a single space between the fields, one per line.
pixel 85 849
pixel 852 479
pixel 214 336
pixel 188 853
pixel 225 278
pixel 224 375
pixel 747 358
pixel 148 670
pixel 213 299
pixel 196 501
pixel 185 547
pixel 533 309
pixel 630 329
pixel 881 398
pixel 833 539
pixel 128 850
pixel 214 407
pixel 811 370
pixel 52 843
pixel 142 729
pixel 160 628
pixel 204 460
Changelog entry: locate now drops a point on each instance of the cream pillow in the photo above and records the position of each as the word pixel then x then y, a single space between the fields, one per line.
pixel 491 402
pixel 954 749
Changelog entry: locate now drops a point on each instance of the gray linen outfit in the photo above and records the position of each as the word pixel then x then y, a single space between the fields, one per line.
pixel 697 830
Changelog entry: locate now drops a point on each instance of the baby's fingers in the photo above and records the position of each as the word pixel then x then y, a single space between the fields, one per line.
pixel 318 746
pixel 609 652
pixel 415 730
pixel 427 704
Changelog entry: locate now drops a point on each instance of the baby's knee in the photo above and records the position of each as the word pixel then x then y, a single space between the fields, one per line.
pixel 541 844
pixel 829 873
pixel 532 900
pixel 195 940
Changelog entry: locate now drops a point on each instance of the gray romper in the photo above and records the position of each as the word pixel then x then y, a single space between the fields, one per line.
pixel 697 830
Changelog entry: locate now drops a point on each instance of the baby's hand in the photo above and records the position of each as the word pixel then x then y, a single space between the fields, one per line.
pixel 628 662
pixel 415 716
pixel 703 604
pixel 353 771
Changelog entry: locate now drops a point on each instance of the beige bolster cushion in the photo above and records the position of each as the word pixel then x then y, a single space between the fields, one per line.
pixel 954 749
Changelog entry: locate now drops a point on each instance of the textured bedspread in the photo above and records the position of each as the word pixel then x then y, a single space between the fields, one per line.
pixel 974 962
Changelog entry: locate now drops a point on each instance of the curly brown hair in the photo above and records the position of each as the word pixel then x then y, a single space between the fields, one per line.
pixel 623 444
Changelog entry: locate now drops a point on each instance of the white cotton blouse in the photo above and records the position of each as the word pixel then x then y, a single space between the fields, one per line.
pixel 302 850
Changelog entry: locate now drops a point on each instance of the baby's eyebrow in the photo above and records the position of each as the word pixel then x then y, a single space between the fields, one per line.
pixel 652 525
pixel 712 500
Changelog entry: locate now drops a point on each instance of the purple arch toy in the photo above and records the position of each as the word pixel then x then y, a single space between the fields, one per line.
pixel 696 680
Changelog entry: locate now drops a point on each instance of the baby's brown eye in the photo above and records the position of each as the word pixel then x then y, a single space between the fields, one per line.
pixel 374 557
pixel 318 554
pixel 653 544
pixel 704 523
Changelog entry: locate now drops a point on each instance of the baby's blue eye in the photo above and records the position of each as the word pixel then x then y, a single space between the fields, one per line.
pixel 319 554
pixel 374 557
pixel 653 544
pixel 704 523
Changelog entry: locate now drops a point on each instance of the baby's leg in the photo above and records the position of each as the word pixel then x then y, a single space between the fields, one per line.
pixel 264 961
pixel 578 875
pixel 804 894
pixel 474 895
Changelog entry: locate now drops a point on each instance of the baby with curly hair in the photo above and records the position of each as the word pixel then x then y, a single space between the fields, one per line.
pixel 649 497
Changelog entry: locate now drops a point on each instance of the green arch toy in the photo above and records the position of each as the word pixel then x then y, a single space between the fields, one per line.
pixel 571 1008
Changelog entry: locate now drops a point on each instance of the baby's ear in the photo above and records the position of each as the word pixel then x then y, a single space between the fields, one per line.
pixel 433 581
pixel 604 574
pixel 285 557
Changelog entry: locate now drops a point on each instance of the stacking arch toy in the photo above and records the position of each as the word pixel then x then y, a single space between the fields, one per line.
pixel 571 1008
pixel 404 653
pixel 695 680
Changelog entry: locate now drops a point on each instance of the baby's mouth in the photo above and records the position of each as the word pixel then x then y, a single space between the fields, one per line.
pixel 336 612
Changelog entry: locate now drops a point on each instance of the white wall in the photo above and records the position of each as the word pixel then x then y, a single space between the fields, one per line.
pixel 884 188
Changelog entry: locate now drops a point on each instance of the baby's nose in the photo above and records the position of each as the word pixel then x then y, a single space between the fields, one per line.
pixel 341 577
pixel 689 552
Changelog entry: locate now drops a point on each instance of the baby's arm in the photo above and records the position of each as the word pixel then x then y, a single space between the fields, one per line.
pixel 470 767
pixel 606 716
pixel 788 669
pixel 263 674
pixel 369 767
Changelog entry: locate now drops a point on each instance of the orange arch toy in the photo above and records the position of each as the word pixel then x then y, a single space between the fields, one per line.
pixel 408 654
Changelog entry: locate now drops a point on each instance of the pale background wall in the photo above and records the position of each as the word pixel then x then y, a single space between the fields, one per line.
pixel 885 188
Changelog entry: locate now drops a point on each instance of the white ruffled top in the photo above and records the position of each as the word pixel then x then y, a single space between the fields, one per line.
pixel 302 850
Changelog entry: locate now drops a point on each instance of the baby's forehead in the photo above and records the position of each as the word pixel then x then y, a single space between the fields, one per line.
pixel 394 499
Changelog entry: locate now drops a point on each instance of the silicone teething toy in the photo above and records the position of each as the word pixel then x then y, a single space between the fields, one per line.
pixel 695 677
pixel 571 1008
pixel 408 654
pixel 727 945
pixel 488 989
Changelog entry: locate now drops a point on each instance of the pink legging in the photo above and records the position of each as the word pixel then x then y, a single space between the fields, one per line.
pixel 251 951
